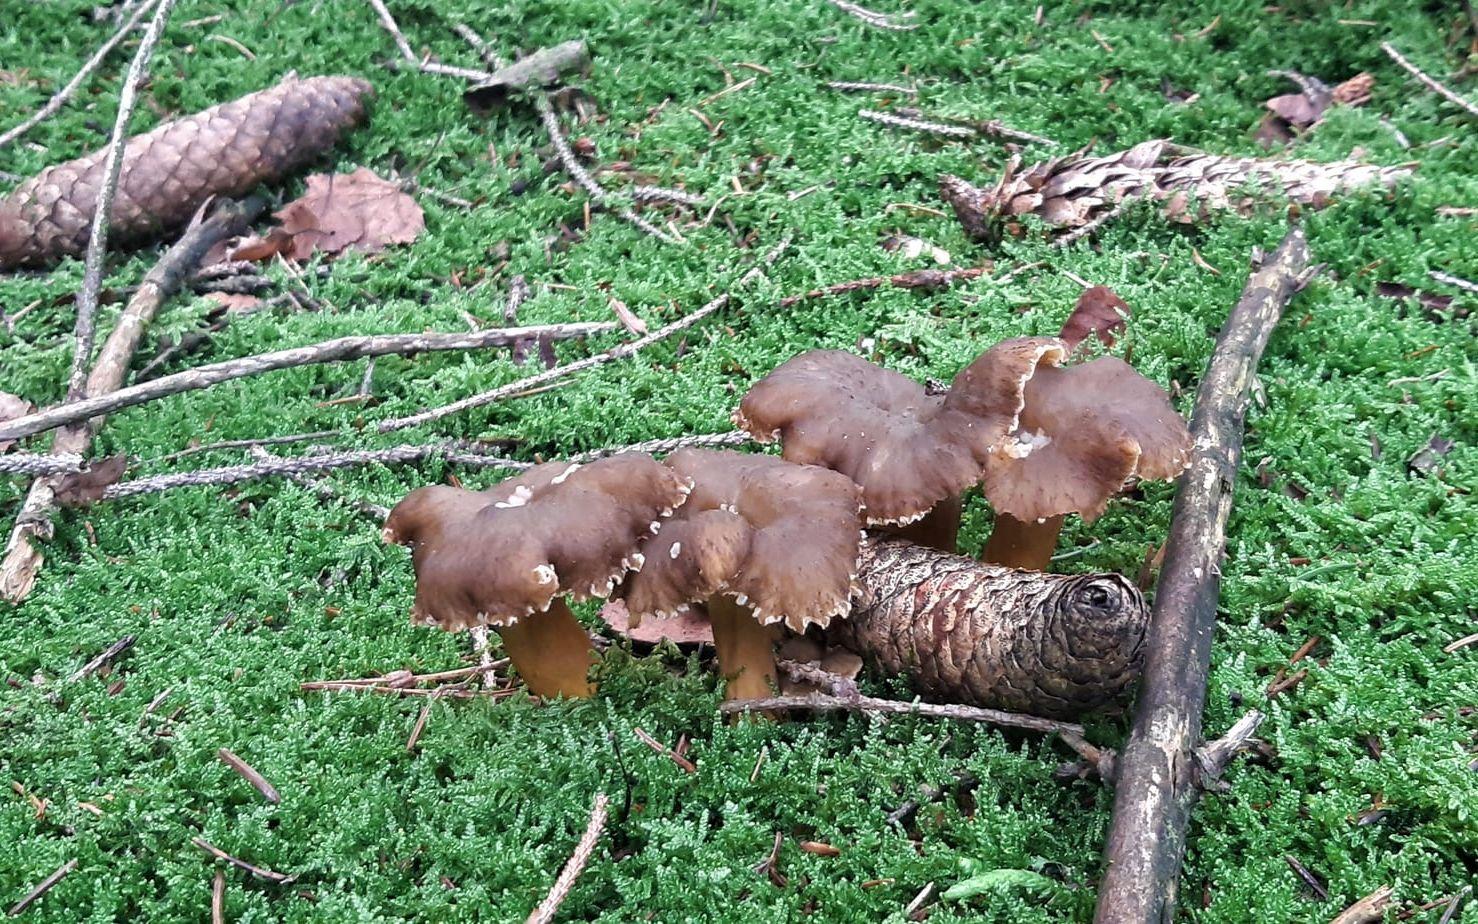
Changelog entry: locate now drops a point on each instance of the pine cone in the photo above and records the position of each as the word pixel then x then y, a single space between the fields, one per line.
pixel 169 172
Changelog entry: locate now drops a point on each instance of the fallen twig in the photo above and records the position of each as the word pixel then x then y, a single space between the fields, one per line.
pixel 42 888
pixel 107 655
pixel 816 702
pixel 544 914
pixel 97 243
pixel 895 23
pixel 260 872
pixel 251 443
pixel 61 96
pixel 1452 280
pixel 1368 909
pixel 420 726
pixel 250 774
pixel 1154 793
pixel 662 446
pixel 860 86
pixel 558 372
pixel 664 750
pixel 276 466
pixel 22 558
pixel 829 683
pixel 31 463
pixel 1431 84
pixel 990 128
pixel 218 897
pixel 338 350
pixel 545 108
pixel 326 491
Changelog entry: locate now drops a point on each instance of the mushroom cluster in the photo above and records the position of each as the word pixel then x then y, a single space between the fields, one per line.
pixel 1041 439
pixel 759 544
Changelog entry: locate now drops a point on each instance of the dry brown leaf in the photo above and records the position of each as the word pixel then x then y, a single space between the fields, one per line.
pixel 233 301
pixel 688 628
pixel 1099 311
pixel 259 249
pixel 350 211
pixel 79 489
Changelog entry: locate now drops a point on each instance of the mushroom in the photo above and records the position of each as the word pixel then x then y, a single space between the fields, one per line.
pixel 512 556
pixel 760 542
pixel 1084 432
pixel 912 453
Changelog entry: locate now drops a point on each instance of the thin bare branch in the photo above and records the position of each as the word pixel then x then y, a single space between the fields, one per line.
pixel 1431 84
pixel 59 99
pixel 338 350
pixel 275 467
pixel 260 872
pixel 662 446
pixel 558 372
pixel 97 243
pixel 549 907
pixel 816 702
pixel 894 22
pixel 42 888
pixel 249 773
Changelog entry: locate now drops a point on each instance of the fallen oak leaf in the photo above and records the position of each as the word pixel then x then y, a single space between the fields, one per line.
pixel 1099 311
pixel 354 211
pixel 233 302
pixel 11 407
pixel 78 489
pixel 687 628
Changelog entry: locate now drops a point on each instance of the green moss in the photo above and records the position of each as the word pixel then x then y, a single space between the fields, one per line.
pixel 1332 540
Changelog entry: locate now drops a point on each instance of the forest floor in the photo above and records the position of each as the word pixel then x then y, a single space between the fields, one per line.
pixel 1338 547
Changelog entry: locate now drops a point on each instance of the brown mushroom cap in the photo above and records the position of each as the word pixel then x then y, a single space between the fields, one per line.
pixel 1085 431
pixel 907 449
pixel 781 538
pixel 491 557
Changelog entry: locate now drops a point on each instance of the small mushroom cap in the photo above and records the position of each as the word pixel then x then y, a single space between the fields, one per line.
pixel 907 449
pixel 781 538
pixel 491 557
pixel 1085 431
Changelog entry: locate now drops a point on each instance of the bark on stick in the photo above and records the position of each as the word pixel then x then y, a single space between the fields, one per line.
pixel 1048 644
pixel 1158 776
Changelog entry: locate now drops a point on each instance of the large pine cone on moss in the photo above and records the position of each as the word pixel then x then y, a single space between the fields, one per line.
pixel 169 172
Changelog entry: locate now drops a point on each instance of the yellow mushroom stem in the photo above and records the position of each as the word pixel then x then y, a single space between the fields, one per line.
pixel 551 652
pixel 939 528
pixel 1021 544
pixel 746 649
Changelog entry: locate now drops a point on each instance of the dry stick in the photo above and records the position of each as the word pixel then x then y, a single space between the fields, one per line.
pixel 1468 107
pixel 97 243
pixel 338 350
pixel 61 96
pixel 276 466
pixel 567 159
pixel 876 19
pixel 259 871
pixel 326 491
pixel 42 888
pixel 218 898
pixel 1157 777
pixel 22 558
pixel 816 702
pixel 108 654
pixel 1368 909
pixel 991 128
pixel 31 463
pixel 1452 280
pixel 249 773
pixel 251 444
pixel 859 86
pixel 388 22
pixel 558 372
pixel 544 914
pixel 660 447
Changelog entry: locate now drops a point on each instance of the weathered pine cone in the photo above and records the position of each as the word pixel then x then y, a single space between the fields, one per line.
pixel 169 172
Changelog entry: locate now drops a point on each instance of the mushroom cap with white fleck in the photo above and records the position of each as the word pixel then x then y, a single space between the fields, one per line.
pixel 781 538
pixel 559 529
pixel 907 449
pixel 1086 431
